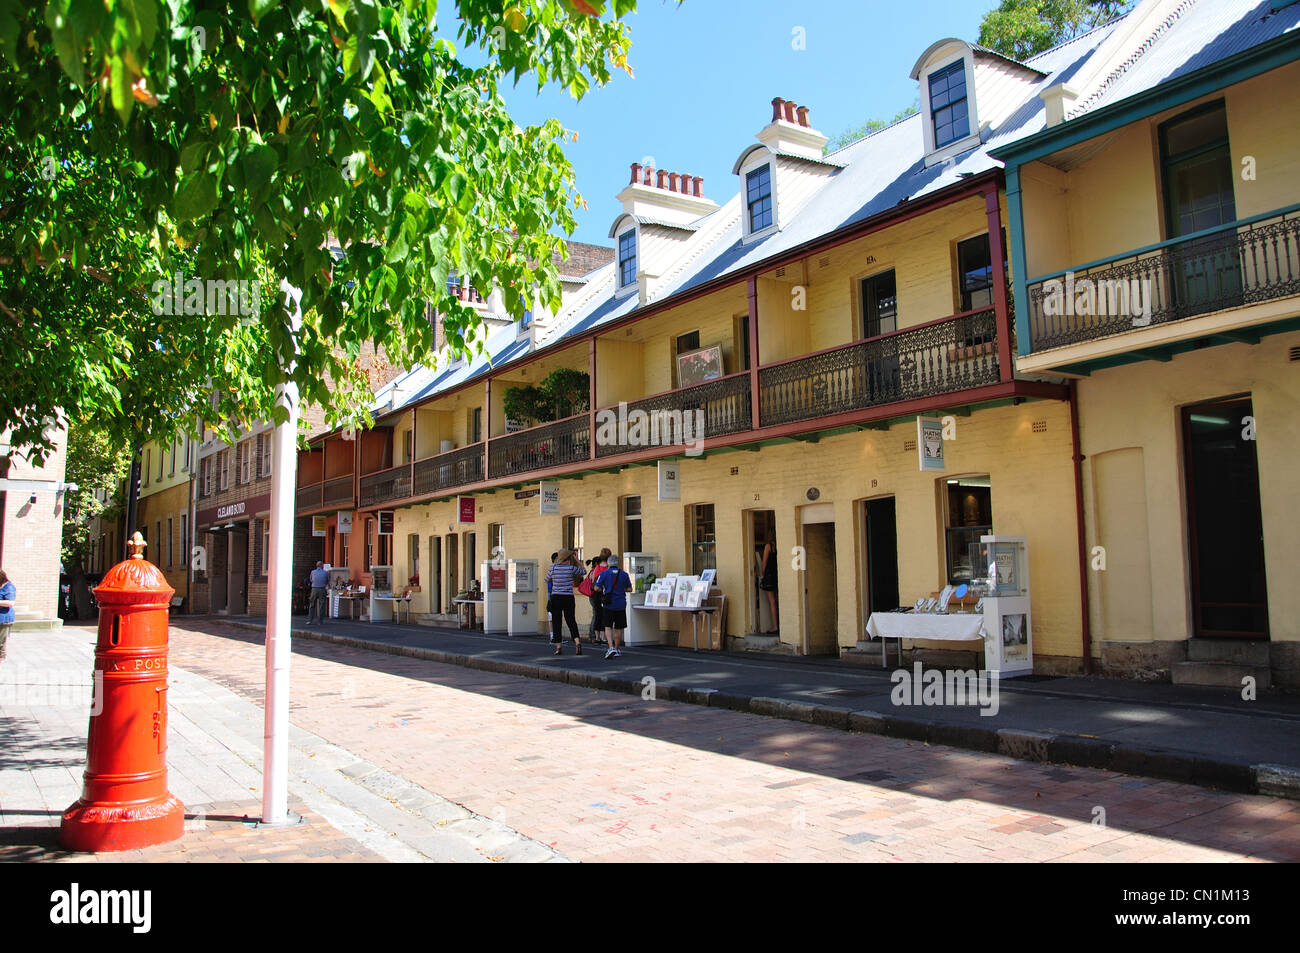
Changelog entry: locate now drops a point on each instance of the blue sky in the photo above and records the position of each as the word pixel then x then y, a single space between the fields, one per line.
pixel 706 72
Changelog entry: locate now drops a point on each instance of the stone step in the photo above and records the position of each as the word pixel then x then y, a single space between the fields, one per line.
pixel 36 624
pixel 1239 651
pixel 1220 674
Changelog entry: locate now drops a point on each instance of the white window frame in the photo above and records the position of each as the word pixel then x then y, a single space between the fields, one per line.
pixel 934 156
pixel 760 157
pixel 620 288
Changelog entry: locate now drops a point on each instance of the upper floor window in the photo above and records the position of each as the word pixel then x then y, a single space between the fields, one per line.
pixel 627 258
pixel 879 304
pixel 949 115
pixel 975 275
pixel 758 198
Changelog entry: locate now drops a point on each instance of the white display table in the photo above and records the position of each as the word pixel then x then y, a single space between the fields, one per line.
pixel 642 627
pixel 936 626
pixel 695 617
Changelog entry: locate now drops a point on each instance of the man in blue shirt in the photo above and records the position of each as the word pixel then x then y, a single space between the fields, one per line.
pixel 8 596
pixel 317 608
pixel 615 584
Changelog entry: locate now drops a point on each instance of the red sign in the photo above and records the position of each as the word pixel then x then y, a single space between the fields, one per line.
pixel 465 504
pixel 496 578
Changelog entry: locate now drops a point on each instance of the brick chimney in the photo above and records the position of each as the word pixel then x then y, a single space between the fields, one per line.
pixel 791 132
pixel 676 198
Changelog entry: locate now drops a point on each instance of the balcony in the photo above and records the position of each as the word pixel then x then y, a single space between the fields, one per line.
pixel 1231 266
pixel 723 405
pixel 337 491
pixel 939 357
pixel 307 497
pixel 449 470
pixel 386 486
pixel 540 448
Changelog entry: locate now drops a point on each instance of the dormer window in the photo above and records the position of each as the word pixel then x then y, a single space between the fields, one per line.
pixel 627 258
pixel 758 197
pixel 948 112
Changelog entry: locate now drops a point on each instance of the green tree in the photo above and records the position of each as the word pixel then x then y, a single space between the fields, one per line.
pixel 146 142
pixel 96 465
pixel 1020 28
pixel 850 136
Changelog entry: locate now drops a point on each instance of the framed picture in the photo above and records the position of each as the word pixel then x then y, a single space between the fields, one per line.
pixel 692 600
pixel 708 576
pixel 685 585
pixel 696 367
pixel 660 598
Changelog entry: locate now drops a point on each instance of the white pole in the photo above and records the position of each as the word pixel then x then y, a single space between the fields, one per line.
pixel 279 593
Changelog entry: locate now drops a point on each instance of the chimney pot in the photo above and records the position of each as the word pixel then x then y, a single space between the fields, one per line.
pixel 777 103
pixel 699 186
pixel 803 116
pixel 649 175
pixel 661 179
pixel 672 181
pixel 789 110
pixel 636 172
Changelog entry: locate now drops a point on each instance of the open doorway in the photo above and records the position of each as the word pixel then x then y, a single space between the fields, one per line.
pixel 760 528
pixel 237 569
pixel 1224 521
pixel 451 563
pixel 880 551
pixel 434 575
pixel 821 604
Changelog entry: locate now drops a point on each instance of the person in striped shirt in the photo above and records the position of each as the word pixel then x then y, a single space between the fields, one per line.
pixel 561 578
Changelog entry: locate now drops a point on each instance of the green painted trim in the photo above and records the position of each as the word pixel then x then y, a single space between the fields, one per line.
pixel 1189 237
pixel 1260 59
pixel 1085 368
pixel 1016 236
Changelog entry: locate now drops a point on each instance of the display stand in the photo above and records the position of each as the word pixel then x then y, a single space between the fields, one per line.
pixel 642 627
pixel 381 593
pixel 496 599
pixel 523 597
pixel 1008 626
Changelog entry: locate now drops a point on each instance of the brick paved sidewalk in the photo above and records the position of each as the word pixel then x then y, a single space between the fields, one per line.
pixel 350 809
pixel 607 776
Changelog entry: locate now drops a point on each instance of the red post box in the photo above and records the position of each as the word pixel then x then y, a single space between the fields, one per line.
pixel 124 802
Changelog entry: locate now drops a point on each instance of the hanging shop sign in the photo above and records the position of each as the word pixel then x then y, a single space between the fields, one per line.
pixel 550 497
pixel 318 524
pixel 345 521
pixel 670 481
pixel 929 444
pixel 385 522
pixel 465 509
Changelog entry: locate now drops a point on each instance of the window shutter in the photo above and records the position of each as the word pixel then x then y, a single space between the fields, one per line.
pixel 259 558
pixel 257 461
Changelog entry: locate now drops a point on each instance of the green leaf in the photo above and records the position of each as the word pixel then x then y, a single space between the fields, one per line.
pixel 196 197
pixel 120 80
pixel 259 8
pixel 259 164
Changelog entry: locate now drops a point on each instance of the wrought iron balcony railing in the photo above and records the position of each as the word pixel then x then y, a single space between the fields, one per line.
pixel 939 357
pixel 712 409
pixel 386 485
pixel 1233 265
pixel 338 490
pixel 540 448
pixel 307 497
pixel 449 470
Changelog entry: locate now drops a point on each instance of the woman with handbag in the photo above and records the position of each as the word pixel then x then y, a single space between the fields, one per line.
pixel 596 566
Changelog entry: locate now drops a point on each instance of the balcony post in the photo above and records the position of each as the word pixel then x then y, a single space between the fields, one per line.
pixel 997 252
pixel 752 293
pixel 487 420
pixel 591 399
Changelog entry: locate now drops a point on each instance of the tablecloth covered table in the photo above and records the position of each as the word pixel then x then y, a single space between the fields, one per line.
pixel 953 627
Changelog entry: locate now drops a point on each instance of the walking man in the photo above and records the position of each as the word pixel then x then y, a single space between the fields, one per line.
pixel 317 607
pixel 615 584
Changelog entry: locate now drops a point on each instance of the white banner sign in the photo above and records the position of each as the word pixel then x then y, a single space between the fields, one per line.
pixel 345 521
pixel 549 497
pixel 670 481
